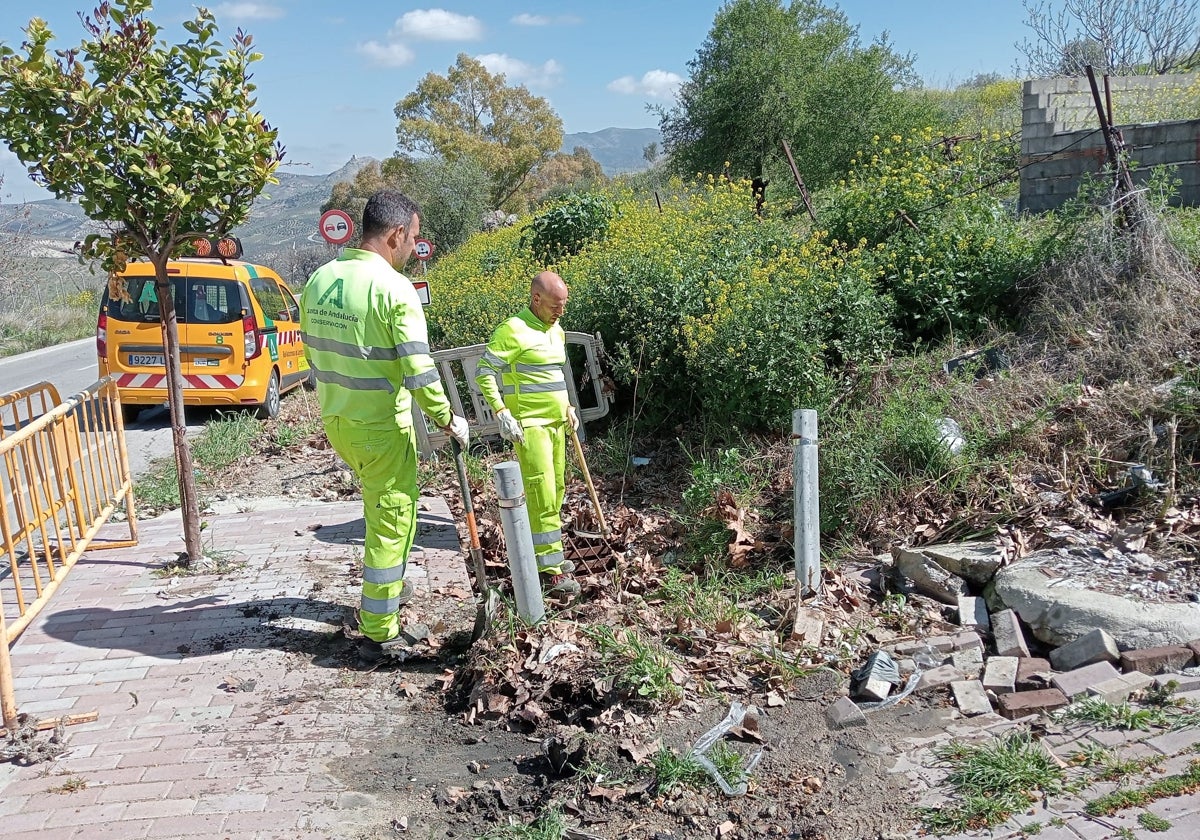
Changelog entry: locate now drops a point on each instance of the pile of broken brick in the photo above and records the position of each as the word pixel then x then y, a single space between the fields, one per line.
pixel 988 667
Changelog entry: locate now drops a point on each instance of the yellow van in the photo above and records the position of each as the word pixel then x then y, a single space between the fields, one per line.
pixel 239 336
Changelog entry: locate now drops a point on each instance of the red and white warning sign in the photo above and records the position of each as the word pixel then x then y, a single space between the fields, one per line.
pixel 422 288
pixel 336 227
pixel 422 249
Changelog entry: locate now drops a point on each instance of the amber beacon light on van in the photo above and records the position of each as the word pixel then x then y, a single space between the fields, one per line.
pixel 227 247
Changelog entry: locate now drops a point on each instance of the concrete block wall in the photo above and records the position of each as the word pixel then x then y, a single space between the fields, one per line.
pixel 1061 141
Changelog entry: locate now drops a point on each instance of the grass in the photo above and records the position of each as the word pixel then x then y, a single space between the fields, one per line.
pixel 993 781
pixel 672 771
pixel 641 668
pixel 548 826
pixel 1100 713
pixel 1153 822
pixel 1119 800
pixel 48 325
pixel 226 440
pixel 1109 767
pixel 70 785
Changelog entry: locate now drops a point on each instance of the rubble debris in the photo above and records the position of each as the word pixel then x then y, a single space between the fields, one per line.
pixel 844 714
pixel 1156 660
pixel 928 578
pixel 1118 689
pixel 1000 675
pixel 970 697
pixel 1077 683
pixel 1022 703
pixel 1096 646
pixel 1007 634
pixel 968 661
pixel 1033 673
pixel 972 613
pixel 938 677
pixel 876 677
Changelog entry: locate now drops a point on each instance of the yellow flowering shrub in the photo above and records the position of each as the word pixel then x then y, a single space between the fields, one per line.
pixel 942 244
pixel 478 286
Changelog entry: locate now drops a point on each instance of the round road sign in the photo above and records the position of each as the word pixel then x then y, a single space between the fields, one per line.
pixel 422 249
pixel 336 227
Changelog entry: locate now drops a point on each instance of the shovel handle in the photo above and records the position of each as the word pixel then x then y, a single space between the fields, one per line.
pixel 460 466
pixel 587 477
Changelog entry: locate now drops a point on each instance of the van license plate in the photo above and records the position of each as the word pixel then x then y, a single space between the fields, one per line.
pixel 146 359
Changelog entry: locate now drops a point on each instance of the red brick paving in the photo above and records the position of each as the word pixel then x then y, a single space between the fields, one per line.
pixel 179 750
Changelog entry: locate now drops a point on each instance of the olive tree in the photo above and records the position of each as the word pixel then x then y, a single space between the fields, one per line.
pixel 159 142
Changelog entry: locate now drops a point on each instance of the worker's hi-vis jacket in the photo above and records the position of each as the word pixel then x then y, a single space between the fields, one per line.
pixel 366 339
pixel 522 370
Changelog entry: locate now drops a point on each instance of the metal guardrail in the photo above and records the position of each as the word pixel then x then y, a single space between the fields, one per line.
pixel 65 471
pixel 482 420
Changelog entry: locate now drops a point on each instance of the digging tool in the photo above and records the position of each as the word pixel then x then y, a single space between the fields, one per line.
pixel 488 599
pixel 587 476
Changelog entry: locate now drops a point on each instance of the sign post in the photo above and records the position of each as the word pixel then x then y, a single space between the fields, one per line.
pixel 336 227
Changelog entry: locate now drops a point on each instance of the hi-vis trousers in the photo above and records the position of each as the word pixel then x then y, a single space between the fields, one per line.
pixel 543 460
pixel 385 461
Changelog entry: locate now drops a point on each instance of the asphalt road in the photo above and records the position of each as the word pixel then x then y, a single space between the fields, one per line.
pixel 72 367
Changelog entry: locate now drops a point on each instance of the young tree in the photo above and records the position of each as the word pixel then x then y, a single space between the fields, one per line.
pixel 160 142
pixel 769 72
pixel 1123 37
pixel 470 112
pixel 453 195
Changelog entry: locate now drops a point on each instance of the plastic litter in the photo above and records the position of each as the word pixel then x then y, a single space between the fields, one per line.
pixel 950 435
pixel 737 713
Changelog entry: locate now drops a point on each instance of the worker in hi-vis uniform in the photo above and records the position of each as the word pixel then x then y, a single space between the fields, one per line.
pixel 521 377
pixel 366 339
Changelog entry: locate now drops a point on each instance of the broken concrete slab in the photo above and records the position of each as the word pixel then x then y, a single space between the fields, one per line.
pixel 1058 614
pixel 1022 703
pixel 1096 646
pixel 1186 680
pixel 1007 634
pixel 976 562
pixel 972 613
pixel 1000 675
pixel 844 714
pixel 970 697
pixel 1077 683
pixel 1155 660
pixel 928 577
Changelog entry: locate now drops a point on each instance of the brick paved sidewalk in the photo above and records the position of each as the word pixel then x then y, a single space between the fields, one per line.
pixel 222 699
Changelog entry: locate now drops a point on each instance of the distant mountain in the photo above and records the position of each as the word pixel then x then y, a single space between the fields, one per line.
pixel 284 219
pixel 617 150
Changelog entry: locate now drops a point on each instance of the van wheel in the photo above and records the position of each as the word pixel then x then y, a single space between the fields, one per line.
pixel 269 409
pixel 129 413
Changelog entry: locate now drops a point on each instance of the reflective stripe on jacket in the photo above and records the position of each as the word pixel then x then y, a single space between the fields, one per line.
pixel 366 340
pixel 522 370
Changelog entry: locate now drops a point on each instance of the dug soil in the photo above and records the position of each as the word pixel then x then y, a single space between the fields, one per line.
pixel 507 731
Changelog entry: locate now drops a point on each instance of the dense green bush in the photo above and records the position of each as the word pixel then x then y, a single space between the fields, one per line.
pixel 563 229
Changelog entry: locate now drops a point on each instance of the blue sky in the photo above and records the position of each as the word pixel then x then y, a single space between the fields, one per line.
pixel 333 72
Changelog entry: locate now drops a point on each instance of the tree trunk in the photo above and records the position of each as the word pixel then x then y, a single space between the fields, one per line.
pixel 188 502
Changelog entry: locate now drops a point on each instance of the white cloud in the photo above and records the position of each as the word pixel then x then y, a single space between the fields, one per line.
pixel 438 25
pixel 386 55
pixel 517 72
pixel 526 19
pixel 656 84
pixel 249 11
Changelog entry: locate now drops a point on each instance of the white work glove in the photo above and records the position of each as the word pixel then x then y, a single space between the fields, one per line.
pixel 510 429
pixel 573 418
pixel 458 429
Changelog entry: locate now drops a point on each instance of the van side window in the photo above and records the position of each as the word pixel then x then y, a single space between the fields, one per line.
pixel 289 300
pixel 267 294
pixel 211 301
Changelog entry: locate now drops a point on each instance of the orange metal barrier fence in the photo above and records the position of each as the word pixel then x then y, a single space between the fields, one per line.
pixel 65 471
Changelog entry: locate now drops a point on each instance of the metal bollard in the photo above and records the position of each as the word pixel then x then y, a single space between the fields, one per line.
pixel 806 501
pixel 514 519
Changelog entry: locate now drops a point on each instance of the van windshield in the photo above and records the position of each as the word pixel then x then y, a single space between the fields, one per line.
pixel 197 301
